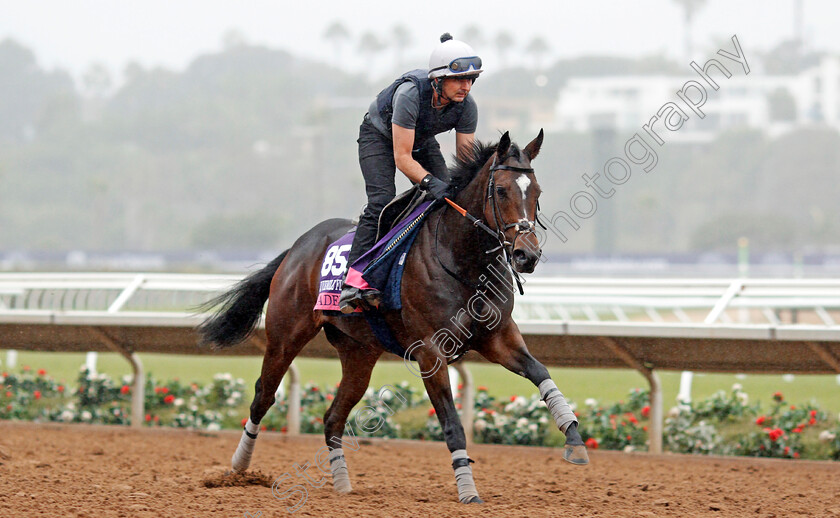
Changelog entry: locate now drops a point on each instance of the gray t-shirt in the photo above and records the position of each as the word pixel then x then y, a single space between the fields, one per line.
pixel 406 106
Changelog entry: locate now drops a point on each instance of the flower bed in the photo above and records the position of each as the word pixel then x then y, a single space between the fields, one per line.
pixel 724 423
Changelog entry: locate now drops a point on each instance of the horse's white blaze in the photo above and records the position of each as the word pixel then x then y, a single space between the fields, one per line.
pixel 523 182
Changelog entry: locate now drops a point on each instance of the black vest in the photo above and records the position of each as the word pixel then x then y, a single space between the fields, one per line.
pixel 430 121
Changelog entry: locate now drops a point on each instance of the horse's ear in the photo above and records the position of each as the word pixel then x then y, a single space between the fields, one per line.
pixel 533 148
pixel 504 146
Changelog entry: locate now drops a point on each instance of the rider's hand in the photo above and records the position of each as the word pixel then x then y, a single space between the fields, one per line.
pixel 437 188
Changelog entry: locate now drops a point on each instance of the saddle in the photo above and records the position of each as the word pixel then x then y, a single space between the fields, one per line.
pixel 380 267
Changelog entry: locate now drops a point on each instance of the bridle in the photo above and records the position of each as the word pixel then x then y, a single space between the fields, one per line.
pixel 500 234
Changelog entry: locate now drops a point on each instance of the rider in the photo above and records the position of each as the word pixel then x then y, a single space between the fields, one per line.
pixel 398 132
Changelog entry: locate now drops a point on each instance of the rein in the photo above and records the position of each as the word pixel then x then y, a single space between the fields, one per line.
pixel 501 227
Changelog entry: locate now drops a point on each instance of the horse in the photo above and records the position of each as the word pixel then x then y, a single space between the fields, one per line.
pixel 457 295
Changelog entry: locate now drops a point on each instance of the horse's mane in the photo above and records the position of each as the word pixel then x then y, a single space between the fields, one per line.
pixel 466 167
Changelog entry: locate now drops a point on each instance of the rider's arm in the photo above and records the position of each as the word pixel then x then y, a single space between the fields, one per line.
pixel 464 144
pixel 403 144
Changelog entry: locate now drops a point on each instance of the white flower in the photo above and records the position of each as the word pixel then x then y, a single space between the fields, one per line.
pixel 737 387
pixel 629 448
pixel 67 416
pixel 520 401
pixel 178 402
pixel 826 436
pixel 743 398
pixel 533 427
pixel 86 416
pixel 521 422
pixel 480 425
pixel 591 402
pixel 213 427
pixel 674 412
pixel 230 401
pixel 543 419
pixel 2 379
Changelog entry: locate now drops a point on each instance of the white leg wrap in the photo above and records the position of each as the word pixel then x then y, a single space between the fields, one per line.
pixel 464 478
pixel 560 410
pixel 242 456
pixel 340 473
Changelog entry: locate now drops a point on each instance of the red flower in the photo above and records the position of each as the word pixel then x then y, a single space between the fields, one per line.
pixel 314 389
pixel 787 450
pixel 776 433
pixel 633 419
pixel 263 428
pixel 812 421
pixel 629 438
pixel 330 397
pixel 646 411
pixel 792 407
pixel 157 419
pixel 37 394
pixel 761 419
pixel 458 406
pixel 164 390
pixel 482 388
pixel 796 455
pixel 42 372
pixel 813 413
pixel 169 399
pixel 9 394
pixel 591 443
pixel 148 417
pixel 778 397
pixel 644 428
pixel 157 390
pixel 283 430
pixel 460 386
pixel 244 420
pixel 27 368
pixel 125 389
pixel 61 388
pixel 431 412
pixel 797 430
pixel 9 408
pixel 512 399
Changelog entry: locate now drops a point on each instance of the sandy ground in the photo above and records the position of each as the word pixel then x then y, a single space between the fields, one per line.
pixel 96 471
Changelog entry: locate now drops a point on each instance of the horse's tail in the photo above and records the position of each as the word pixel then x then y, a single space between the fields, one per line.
pixel 240 310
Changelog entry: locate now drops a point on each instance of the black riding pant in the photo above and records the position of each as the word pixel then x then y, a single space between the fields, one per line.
pixel 376 158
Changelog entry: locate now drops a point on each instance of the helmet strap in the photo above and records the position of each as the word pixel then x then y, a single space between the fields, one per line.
pixel 437 84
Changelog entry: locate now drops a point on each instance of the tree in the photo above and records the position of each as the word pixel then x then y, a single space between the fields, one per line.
pixel 370 46
pixel 473 35
pixel 337 34
pixel 96 81
pixel 401 40
pixel 689 7
pixel 538 48
pixel 782 105
pixel 503 43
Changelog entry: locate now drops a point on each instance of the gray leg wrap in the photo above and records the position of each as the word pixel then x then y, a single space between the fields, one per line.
pixel 560 410
pixel 340 474
pixel 242 456
pixel 464 478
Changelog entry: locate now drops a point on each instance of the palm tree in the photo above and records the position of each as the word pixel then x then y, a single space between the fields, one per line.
pixel 402 40
pixel 689 7
pixel 503 43
pixel 337 34
pixel 370 46
pixel 473 35
pixel 538 48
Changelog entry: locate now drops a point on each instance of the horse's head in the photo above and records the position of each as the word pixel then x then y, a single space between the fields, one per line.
pixel 510 205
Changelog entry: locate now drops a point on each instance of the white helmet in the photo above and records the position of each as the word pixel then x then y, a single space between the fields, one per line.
pixel 453 58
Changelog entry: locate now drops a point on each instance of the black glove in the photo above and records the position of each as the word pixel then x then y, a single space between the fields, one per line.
pixel 437 188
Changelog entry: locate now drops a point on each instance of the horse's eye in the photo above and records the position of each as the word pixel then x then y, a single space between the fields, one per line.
pixel 500 191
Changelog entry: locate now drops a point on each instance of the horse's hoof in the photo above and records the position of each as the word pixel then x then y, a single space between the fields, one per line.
pixel 576 455
pixel 474 500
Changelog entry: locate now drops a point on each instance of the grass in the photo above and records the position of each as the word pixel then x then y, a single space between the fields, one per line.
pixel 605 385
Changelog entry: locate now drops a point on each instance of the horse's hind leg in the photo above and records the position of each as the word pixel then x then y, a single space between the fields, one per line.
pixel 284 343
pixel 508 349
pixel 357 361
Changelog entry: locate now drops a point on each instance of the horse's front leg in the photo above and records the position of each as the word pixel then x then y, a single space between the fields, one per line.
pixel 436 379
pixel 507 348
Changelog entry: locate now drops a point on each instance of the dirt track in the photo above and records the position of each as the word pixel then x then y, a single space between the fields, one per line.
pixel 62 470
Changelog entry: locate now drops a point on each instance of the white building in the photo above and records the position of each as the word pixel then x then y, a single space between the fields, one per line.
pixel 626 103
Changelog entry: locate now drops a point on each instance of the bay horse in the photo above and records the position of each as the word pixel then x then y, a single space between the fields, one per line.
pixel 456 296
